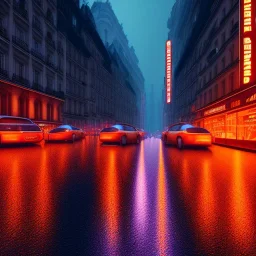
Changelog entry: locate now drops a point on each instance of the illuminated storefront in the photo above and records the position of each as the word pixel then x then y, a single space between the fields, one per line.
pixel 233 118
pixel 43 109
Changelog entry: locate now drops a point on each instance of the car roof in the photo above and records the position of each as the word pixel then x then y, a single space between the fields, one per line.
pixel 124 124
pixel 14 117
pixel 179 123
pixel 67 126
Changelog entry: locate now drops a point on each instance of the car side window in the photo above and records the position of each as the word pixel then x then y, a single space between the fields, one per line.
pixel 174 128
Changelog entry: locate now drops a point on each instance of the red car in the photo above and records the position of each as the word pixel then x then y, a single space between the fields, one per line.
pixel 19 130
pixel 120 133
pixel 65 133
pixel 184 134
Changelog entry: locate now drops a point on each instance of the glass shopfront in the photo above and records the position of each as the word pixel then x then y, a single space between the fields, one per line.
pixel 240 125
pixel 216 126
pixel 246 127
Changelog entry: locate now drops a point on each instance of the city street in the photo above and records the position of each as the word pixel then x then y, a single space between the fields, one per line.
pixel 148 199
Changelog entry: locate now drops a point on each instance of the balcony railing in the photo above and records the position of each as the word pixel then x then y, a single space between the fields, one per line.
pixel 37 86
pixel 3 32
pixel 20 10
pixel 20 80
pixel 3 73
pixel 50 42
pixel 21 43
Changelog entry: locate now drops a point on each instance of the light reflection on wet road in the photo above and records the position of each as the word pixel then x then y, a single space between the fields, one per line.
pixel 91 199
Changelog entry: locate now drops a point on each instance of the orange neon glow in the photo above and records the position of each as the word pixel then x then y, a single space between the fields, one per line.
pixel 162 218
pixel 14 209
pixel 168 67
pixel 241 217
pixel 206 210
pixel 43 208
pixel 111 199
pixel 247 60
pixel 247 27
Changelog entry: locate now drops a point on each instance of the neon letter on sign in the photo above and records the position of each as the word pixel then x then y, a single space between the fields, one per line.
pixel 168 70
pixel 247 41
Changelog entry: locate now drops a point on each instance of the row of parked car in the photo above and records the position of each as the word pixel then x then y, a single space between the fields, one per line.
pixel 23 130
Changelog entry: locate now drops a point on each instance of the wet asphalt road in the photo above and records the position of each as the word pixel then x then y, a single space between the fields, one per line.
pixel 88 199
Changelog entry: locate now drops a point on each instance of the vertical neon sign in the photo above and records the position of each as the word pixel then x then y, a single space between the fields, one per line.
pixel 247 38
pixel 168 70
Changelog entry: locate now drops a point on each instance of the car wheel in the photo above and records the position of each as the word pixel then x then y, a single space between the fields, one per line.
pixel 138 140
pixel 180 143
pixel 123 140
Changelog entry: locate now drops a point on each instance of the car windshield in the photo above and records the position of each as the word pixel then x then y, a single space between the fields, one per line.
pixel 17 127
pixel 118 126
pixel 58 130
pixel 186 126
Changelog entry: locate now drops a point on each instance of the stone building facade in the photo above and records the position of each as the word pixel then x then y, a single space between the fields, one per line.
pixel 207 77
pixel 28 76
pixel 111 32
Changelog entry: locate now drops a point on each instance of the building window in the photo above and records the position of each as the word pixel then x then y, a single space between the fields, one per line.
pixel 36 76
pixel 20 69
pixel 38 110
pixel 22 106
pixel 216 43
pixel 2 60
pixel 74 21
pixel 246 125
pixel 223 87
pixel 232 84
pixel 215 70
pixel 232 53
pixel 223 62
pixel 49 112
pixel 223 37
pixel 210 95
pixel 216 91
pixel 20 33
pixel 223 13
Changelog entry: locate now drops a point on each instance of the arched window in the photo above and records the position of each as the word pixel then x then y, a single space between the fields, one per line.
pixel 49 112
pixel 49 15
pixel 38 110
pixel 4 104
pixel 22 106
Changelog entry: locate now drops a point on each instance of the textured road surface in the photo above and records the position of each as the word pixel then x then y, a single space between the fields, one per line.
pixel 89 199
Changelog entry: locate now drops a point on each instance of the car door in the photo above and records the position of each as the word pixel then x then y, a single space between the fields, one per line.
pixel 172 133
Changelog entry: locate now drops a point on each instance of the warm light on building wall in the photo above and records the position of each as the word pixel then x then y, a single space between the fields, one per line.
pixel 168 70
pixel 247 31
